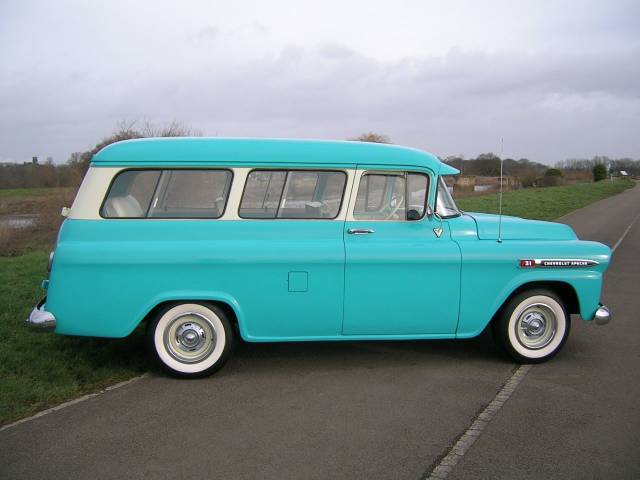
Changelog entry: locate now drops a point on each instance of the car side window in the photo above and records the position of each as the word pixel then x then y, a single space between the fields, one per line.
pixel 384 196
pixel 191 194
pixel 197 193
pixel 292 194
pixel 130 194
pixel 417 186
pixel 371 193
pixel 262 191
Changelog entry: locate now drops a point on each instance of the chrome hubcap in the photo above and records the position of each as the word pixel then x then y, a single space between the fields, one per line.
pixel 536 326
pixel 533 324
pixel 190 337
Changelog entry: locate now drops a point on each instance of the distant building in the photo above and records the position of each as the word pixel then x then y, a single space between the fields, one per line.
pixel 619 174
pixel 464 183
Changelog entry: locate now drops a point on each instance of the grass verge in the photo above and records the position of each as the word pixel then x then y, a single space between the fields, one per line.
pixel 544 203
pixel 41 370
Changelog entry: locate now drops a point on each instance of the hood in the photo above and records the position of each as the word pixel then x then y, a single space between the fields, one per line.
pixel 514 228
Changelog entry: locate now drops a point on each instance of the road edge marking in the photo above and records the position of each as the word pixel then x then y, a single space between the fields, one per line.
pixel 469 437
pixel 75 401
pixel 617 244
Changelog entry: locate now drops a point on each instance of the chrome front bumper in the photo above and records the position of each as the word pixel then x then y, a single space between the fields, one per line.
pixel 40 319
pixel 602 315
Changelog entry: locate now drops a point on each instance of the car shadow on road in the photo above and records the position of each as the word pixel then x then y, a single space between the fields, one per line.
pixel 340 355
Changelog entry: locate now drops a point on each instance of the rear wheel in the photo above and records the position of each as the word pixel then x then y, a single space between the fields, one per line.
pixel 191 339
pixel 533 326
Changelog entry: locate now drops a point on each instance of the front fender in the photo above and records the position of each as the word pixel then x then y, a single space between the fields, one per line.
pixel 491 273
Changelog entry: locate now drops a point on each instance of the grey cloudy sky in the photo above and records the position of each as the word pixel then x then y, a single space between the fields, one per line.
pixel 556 79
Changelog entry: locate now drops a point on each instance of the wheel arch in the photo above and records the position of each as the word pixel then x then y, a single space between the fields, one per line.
pixel 225 302
pixel 224 306
pixel 564 290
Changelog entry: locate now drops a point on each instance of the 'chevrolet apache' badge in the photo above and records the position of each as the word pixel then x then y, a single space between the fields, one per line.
pixel 557 263
pixel 437 231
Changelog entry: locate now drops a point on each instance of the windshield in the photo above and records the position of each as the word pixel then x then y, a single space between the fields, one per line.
pixel 445 206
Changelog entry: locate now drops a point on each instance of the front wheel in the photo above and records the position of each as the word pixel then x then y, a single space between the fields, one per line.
pixel 191 339
pixel 533 326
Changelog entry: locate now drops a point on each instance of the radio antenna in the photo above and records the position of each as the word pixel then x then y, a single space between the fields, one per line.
pixel 500 197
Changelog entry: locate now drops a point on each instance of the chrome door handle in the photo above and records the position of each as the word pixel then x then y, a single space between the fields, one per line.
pixel 360 231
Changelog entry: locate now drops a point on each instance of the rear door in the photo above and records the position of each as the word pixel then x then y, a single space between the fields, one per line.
pixel 289 272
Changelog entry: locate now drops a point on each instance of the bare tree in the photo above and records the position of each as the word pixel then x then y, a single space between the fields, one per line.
pixel 371 137
pixel 172 129
pixel 127 130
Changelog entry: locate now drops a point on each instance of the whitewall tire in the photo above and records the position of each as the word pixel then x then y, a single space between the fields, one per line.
pixel 533 326
pixel 191 339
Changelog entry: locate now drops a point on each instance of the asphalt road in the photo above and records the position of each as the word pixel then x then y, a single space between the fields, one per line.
pixel 378 410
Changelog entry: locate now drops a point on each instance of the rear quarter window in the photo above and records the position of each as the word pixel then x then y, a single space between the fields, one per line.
pixel 168 194
pixel 130 194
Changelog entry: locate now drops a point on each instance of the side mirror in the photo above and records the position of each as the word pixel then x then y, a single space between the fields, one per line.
pixel 413 215
pixel 429 212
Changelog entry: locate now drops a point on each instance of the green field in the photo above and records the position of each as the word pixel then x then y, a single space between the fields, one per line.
pixel 40 370
pixel 33 192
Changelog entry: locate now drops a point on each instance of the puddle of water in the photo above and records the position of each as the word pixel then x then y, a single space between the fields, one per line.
pixel 476 188
pixel 17 221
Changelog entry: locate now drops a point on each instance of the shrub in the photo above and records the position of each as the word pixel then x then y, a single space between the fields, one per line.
pixel 551 181
pixel 552 178
pixel 599 172
pixel 553 172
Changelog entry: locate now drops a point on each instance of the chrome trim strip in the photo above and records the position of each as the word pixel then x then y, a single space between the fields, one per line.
pixel 50 262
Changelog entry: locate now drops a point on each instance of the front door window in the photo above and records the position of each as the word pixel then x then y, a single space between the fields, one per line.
pixel 384 196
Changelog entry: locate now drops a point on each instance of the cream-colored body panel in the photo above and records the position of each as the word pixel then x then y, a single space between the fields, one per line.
pixel 357 175
pixel 97 180
pixel 95 184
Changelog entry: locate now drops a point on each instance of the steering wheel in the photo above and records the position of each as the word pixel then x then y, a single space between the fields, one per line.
pixel 394 209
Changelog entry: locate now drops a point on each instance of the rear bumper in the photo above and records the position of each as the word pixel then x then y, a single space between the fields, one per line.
pixel 41 320
pixel 602 315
